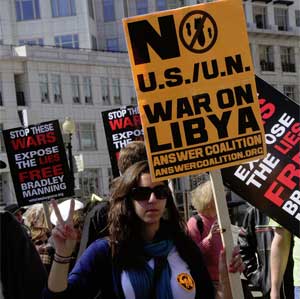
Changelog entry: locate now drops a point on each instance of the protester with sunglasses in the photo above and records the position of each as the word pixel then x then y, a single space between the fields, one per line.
pixel 148 253
pixel 95 225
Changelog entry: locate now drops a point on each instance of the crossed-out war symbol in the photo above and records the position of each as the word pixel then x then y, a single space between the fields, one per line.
pixel 198 31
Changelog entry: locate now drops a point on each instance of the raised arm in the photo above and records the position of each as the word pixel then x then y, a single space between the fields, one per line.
pixel 279 256
pixel 64 238
pixel 236 265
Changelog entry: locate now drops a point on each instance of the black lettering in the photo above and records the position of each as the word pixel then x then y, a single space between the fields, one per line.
pixel 225 94
pixel 201 100
pixel 196 72
pixel 153 142
pixel 241 93
pixel 176 135
pixel 247 120
pixel 172 74
pixel 236 64
pixel 184 107
pixel 159 112
pixel 195 131
pixel 221 124
pixel 164 44
pixel 142 83
pixel 215 70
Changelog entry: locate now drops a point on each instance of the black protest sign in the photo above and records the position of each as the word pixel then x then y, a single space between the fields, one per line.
pixel 38 162
pixel 272 183
pixel 122 126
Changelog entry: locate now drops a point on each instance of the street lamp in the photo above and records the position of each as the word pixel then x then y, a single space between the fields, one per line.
pixel 68 127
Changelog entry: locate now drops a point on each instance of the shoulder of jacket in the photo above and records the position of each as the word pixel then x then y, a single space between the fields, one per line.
pixel 101 244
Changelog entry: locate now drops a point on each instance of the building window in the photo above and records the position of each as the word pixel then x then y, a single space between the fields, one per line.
pixel 44 88
pixel 31 42
pixel 290 91
pixel 94 42
pixel 260 17
pixel 20 98
pixel 112 44
pixel 141 7
pixel 91 9
pixel 287 56
pixel 87 136
pixel 1 190
pixel 132 95
pixel 27 10
pixel 89 182
pixel 198 179
pixel 1 101
pixel 105 91
pixel 116 90
pixel 281 18
pixel 87 90
pixel 177 185
pixel 161 5
pixel 67 41
pixel 108 10
pixel 56 87
pixel 266 57
pixel 2 147
pixel 297 17
pixel 75 89
pixel 19 87
pixel 110 176
pixel 63 8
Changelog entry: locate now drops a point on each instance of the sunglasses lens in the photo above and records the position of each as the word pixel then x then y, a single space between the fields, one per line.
pixel 144 193
pixel 141 193
pixel 39 243
pixel 161 192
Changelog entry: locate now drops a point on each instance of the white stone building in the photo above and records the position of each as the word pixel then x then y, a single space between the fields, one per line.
pixel 48 67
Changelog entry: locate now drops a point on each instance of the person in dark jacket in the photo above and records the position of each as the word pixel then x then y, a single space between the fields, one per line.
pixel 16 211
pixel 255 239
pixel 22 273
pixel 95 225
pixel 148 253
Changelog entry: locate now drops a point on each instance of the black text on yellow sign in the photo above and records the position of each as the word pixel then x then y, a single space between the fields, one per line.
pixel 194 78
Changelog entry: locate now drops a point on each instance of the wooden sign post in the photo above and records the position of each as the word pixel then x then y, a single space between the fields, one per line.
pixel 47 214
pixel 225 224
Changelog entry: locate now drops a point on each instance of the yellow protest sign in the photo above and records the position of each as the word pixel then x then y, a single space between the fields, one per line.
pixel 194 78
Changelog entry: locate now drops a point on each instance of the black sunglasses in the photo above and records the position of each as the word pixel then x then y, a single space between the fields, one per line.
pixel 40 242
pixel 144 193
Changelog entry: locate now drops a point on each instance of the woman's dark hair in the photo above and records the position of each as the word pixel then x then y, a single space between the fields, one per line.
pixel 125 235
pixel 124 225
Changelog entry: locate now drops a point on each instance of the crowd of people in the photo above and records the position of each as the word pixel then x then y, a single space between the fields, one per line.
pixel 135 244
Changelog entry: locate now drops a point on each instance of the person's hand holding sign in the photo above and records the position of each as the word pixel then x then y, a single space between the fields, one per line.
pixel 215 229
pixel 64 234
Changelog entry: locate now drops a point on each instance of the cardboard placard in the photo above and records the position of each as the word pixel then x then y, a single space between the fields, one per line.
pixel 121 126
pixel 38 162
pixel 272 183
pixel 194 78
